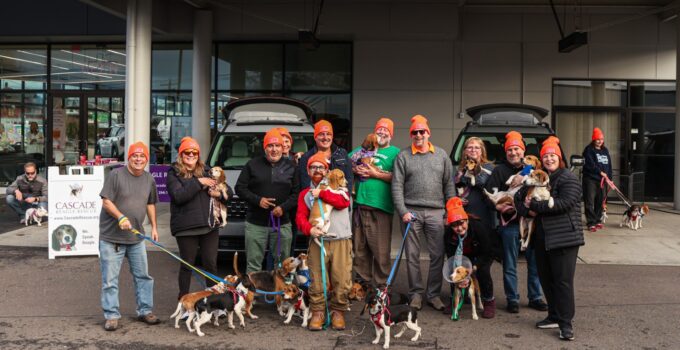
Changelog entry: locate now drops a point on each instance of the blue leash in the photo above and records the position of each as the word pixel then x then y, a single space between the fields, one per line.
pixel 323 270
pixel 401 250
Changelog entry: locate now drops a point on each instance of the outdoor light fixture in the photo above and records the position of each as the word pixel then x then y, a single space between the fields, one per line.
pixel 308 37
pixel 572 41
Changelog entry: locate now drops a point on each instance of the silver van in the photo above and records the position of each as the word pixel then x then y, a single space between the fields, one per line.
pixel 247 120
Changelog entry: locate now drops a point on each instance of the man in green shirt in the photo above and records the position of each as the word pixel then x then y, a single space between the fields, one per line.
pixel 372 221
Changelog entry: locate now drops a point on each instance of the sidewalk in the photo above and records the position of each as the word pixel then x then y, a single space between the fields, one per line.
pixel 658 243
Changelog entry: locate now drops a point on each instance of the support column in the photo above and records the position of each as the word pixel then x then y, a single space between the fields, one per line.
pixel 201 77
pixel 138 73
pixel 676 180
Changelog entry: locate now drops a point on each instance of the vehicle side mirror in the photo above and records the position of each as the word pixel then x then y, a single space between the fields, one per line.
pixel 576 160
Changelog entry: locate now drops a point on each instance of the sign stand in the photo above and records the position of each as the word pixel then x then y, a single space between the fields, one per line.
pixel 74 207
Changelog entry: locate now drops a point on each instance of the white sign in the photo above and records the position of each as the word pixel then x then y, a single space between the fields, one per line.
pixel 74 206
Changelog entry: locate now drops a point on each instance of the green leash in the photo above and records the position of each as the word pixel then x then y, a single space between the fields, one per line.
pixel 455 311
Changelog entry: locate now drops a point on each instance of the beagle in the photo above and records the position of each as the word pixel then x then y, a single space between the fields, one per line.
pixel 538 183
pixel 632 217
pixel 295 300
pixel 35 215
pixel 187 304
pixel 270 281
pixel 385 315
pixel 462 274
pixel 503 200
pixel 219 210
pixel 358 291
pixel 232 301
pixel 472 169
pixel 335 182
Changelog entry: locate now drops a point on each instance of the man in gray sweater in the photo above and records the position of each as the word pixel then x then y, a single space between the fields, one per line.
pixel 421 185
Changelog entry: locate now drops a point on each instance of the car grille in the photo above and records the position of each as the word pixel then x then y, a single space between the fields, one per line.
pixel 237 208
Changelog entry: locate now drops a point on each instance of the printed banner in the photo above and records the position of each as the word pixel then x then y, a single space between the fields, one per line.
pixel 74 206
pixel 160 175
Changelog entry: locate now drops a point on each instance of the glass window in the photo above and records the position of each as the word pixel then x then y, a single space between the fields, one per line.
pixel 249 66
pixel 327 69
pixel 23 68
pixel 652 94
pixel 88 67
pixel 590 93
pixel 170 122
pixel 334 108
pixel 171 67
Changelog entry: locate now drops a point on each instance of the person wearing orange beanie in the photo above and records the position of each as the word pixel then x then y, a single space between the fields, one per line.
pixel 323 139
pixel 468 235
pixel 129 195
pixel 421 185
pixel 372 221
pixel 337 247
pixel 597 164
pixel 556 239
pixel 188 143
pixel 508 229
pixel 287 141
pixel 269 185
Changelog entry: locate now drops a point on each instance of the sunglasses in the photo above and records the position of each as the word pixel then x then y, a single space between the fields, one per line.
pixel 418 132
pixel 190 153
pixel 30 174
pixel 317 168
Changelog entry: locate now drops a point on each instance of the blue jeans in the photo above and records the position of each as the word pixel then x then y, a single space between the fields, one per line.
pixel 110 260
pixel 510 237
pixel 20 207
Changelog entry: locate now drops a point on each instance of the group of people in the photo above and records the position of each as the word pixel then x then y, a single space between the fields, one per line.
pixel 444 209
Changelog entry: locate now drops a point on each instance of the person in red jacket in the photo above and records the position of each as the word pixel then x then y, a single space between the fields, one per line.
pixel 338 249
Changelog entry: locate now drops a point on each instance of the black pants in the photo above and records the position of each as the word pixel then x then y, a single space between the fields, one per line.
pixel 556 270
pixel 189 247
pixel 593 197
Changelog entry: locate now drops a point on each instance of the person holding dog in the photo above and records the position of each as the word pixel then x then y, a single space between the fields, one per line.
pixel 323 137
pixel 421 185
pixel 373 210
pixel 28 190
pixel 509 231
pixel 129 194
pixel 269 184
pixel 472 194
pixel 475 239
pixel 556 239
pixel 597 164
pixel 338 248
pixel 190 188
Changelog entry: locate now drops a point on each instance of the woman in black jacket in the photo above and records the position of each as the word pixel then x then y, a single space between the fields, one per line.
pixel 188 186
pixel 480 244
pixel 597 164
pixel 556 239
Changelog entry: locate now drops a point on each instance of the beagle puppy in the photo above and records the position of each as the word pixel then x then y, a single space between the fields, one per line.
pixel 385 315
pixel 335 182
pixel 187 304
pixel 270 281
pixel 219 211
pixel 538 183
pixel 460 275
pixel 295 300
pixel 231 302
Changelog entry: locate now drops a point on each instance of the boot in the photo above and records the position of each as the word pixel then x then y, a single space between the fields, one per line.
pixel 489 309
pixel 338 320
pixel 316 323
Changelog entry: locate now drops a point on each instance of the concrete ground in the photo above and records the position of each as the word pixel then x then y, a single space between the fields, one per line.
pixel 626 297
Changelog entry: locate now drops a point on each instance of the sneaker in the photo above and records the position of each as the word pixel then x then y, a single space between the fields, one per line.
pixel 592 229
pixel 547 323
pixel 567 333
pixel 111 325
pixel 512 307
pixel 539 305
pixel 599 226
pixel 436 303
pixel 489 309
pixel 417 302
pixel 149 319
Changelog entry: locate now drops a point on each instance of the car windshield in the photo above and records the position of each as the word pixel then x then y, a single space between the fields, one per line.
pixel 233 151
pixel 494 145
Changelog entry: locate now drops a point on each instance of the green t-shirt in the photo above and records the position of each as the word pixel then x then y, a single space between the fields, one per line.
pixel 373 192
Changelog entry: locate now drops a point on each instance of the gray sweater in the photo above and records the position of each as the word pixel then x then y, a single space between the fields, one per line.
pixel 422 180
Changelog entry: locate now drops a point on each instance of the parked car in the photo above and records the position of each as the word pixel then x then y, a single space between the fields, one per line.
pixel 113 145
pixel 247 120
pixel 492 121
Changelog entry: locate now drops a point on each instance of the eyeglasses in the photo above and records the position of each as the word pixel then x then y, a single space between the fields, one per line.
pixel 418 132
pixel 457 223
pixel 473 147
pixel 317 168
pixel 30 174
pixel 190 153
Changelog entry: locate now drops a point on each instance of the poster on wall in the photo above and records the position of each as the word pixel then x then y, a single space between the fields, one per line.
pixel 74 206
pixel 160 175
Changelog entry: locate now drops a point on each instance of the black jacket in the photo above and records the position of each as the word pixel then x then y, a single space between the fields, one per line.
pixel 560 224
pixel 498 177
pixel 481 242
pixel 260 178
pixel 339 160
pixel 189 202
pixel 596 161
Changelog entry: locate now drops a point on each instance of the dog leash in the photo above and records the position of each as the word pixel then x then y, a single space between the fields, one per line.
pixel 401 249
pixel 323 270
pixel 275 223
pixel 616 190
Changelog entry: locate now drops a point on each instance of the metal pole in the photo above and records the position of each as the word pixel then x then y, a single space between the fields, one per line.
pixel 676 181
pixel 200 95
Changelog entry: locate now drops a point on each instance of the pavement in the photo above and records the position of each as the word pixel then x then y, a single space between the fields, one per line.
pixel 626 297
